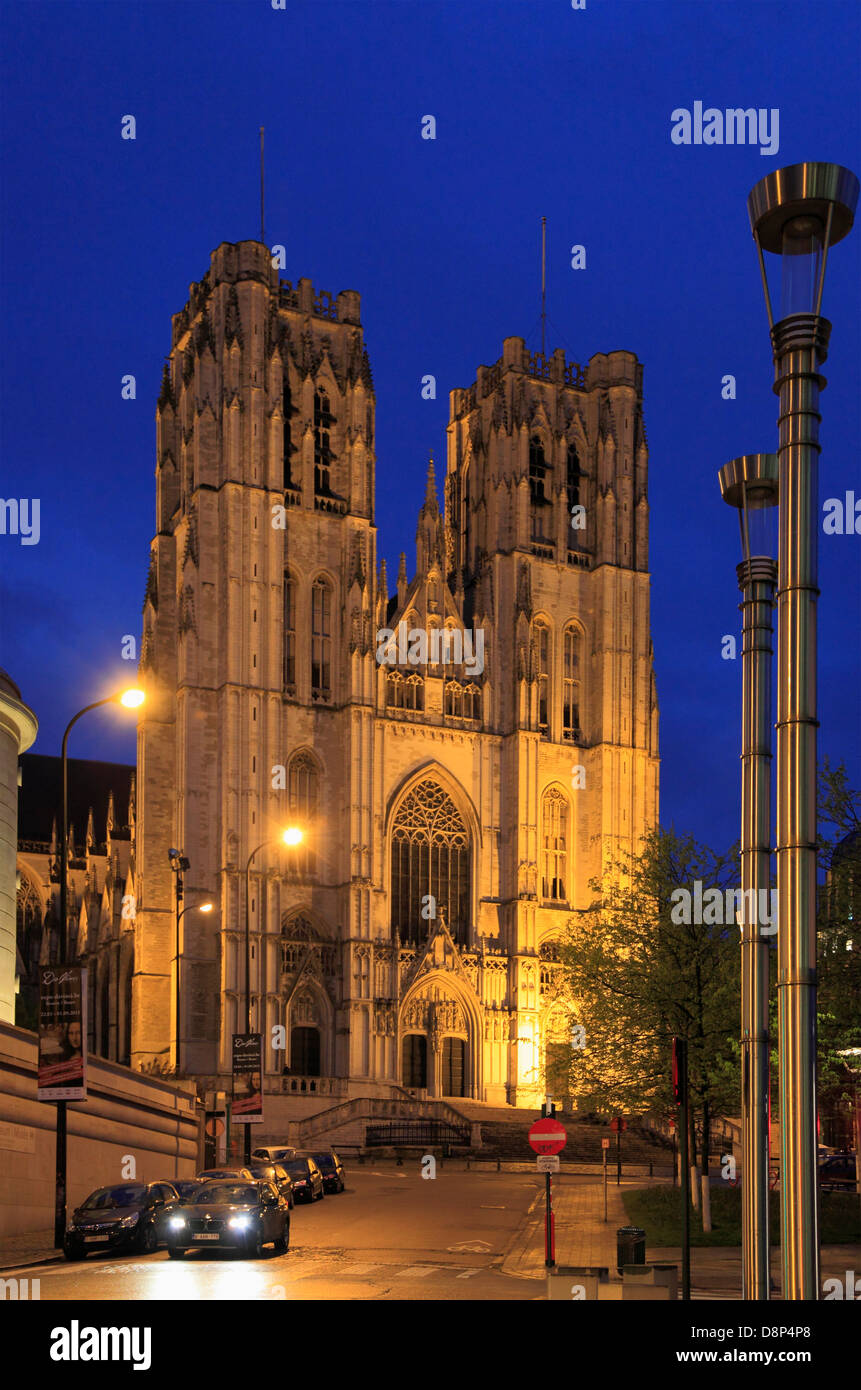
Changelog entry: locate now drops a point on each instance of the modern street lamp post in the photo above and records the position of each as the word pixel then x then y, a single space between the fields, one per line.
pixel 130 699
pixel 797 214
pixel 179 864
pixel 749 483
pixel 292 836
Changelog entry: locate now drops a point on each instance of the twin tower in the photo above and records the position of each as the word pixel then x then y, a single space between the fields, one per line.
pixel 453 810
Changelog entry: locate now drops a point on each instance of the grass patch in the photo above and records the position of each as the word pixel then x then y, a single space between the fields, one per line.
pixel 659 1211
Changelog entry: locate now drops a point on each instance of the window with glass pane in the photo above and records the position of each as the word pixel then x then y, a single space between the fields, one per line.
pixel 571 683
pixel 542 647
pixel 321 640
pixel 303 797
pixel 430 857
pixel 554 830
pixel 323 421
pixel 289 634
pixel 537 475
pixel 573 478
pixel 287 411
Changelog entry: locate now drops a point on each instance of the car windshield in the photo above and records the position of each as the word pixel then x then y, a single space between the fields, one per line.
pixel 297 1168
pixel 261 1171
pixel 227 1193
pixel 186 1189
pixel 324 1160
pixel 109 1198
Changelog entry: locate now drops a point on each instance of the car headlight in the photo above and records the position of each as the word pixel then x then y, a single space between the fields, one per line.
pixel 130 1220
pixel 176 1222
pixel 239 1223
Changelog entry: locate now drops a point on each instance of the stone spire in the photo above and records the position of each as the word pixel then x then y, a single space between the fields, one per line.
pixel 429 532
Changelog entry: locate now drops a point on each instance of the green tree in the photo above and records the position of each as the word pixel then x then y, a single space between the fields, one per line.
pixel 635 973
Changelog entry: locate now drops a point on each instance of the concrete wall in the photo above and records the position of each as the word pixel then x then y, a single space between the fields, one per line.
pixel 154 1121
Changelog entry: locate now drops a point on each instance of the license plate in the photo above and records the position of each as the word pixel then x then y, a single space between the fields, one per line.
pixel 89 1239
pixel 205 1235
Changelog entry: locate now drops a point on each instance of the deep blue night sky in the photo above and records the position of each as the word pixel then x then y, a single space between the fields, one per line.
pixel 540 109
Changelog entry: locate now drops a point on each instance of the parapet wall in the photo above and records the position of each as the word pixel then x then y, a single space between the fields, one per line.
pixel 127 1116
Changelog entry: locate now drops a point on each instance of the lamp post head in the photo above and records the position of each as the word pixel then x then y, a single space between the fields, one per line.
pixel 132 699
pixel 799 213
pixel 205 907
pixel 292 835
pixel 750 484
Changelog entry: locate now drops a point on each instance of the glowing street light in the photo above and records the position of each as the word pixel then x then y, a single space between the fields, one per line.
pixel 130 699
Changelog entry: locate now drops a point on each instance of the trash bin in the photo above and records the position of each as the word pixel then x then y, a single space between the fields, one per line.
pixel 630 1247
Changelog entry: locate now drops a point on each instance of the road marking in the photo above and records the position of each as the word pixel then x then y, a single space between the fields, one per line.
pixel 418 1271
pixel 468 1273
pixel 483 1208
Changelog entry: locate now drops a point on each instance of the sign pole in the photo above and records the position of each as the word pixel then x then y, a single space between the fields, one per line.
pixel 619 1154
pixel 604 1155
pixel 549 1250
pixel 680 1088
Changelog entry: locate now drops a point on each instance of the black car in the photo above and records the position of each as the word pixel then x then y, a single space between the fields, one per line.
pixel 837 1174
pixel 277 1174
pixel 188 1188
pixel 307 1179
pixel 240 1173
pixel 129 1216
pixel 330 1165
pixel 242 1216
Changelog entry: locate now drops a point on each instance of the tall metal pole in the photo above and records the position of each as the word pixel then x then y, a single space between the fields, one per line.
pixel 61 1148
pixel 757 577
pixel 178 958
pixel 800 347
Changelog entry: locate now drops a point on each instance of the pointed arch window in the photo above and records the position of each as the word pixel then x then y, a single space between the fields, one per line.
pixel 287 443
pixel 321 640
pixel 571 677
pixel 431 864
pixel 303 794
pixel 537 480
pixel 289 634
pixel 554 846
pixel 323 422
pixel 541 638
pixel 572 479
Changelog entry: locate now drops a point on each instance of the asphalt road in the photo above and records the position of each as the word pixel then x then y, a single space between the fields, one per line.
pixel 391 1235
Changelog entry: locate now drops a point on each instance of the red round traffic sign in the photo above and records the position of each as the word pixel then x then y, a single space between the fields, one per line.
pixel 618 1123
pixel 547 1136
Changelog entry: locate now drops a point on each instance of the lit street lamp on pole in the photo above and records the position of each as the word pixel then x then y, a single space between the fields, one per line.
pixel 797 214
pixel 292 837
pixel 749 484
pixel 129 699
pixel 179 864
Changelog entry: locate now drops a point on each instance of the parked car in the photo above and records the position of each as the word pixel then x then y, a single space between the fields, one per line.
pixel 209 1173
pixel 837 1174
pixel 307 1179
pixel 187 1187
pixel 330 1166
pixel 273 1153
pixel 127 1216
pixel 277 1174
pixel 229 1214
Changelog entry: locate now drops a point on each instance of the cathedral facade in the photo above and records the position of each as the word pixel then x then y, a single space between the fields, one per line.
pixel 462 754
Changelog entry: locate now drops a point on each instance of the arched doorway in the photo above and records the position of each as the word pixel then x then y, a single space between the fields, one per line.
pixel 414 1061
pixel 305 1050
pixel 453 1069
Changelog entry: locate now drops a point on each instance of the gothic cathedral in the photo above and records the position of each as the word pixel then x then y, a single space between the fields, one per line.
pixel 462 755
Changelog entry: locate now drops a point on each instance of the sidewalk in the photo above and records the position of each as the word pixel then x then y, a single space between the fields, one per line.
pixel 31 1248
pixel 583 1238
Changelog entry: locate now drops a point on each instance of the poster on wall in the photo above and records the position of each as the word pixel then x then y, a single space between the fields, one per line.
pixel 62 1033
pixel 247 1105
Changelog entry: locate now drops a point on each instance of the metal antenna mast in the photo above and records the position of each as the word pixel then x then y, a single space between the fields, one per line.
pixel 543 281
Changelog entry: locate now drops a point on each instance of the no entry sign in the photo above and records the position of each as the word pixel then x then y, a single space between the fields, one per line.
pixel 547 1137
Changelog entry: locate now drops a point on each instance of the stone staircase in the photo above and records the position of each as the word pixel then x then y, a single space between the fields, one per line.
pixel 346 1124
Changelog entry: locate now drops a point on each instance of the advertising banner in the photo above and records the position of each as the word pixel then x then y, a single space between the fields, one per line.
pixel 62 1033
pixel 247 1105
